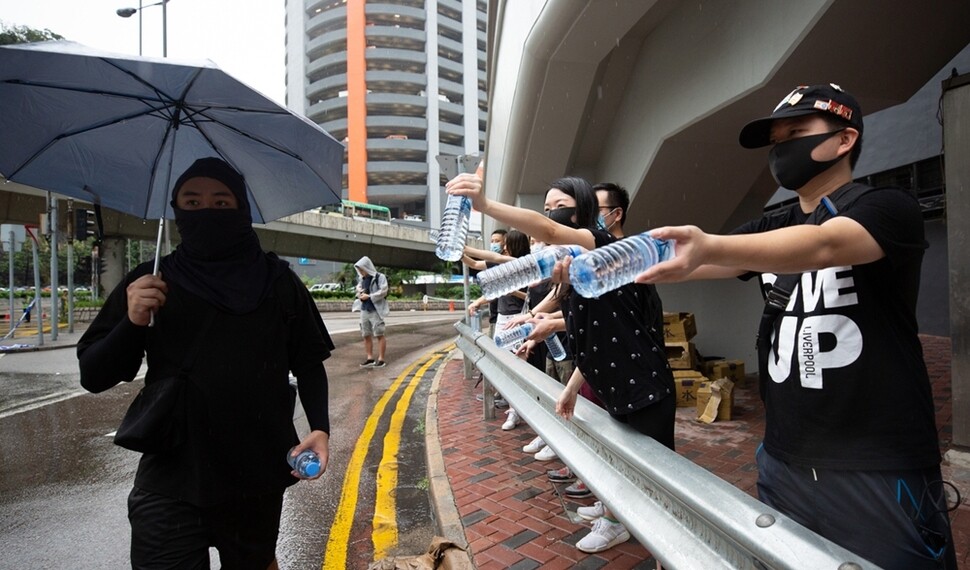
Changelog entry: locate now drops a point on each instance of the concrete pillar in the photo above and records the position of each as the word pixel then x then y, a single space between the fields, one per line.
pixel 956 141
pixel 112 253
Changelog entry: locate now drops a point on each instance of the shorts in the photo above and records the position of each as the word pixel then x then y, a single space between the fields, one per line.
pixel 560 370
pixel 168 533
pixel 894 519
pixel 371 324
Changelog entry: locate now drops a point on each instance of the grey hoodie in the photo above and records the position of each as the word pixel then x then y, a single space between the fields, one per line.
pixel 378 287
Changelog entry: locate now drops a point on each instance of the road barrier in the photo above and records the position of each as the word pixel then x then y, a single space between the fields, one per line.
pixel 686 516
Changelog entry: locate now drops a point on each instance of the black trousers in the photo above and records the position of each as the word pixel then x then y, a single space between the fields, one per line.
pixel 168 533
pixel 895 519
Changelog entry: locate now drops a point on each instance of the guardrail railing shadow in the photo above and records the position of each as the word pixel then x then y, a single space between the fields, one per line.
pixel 686 516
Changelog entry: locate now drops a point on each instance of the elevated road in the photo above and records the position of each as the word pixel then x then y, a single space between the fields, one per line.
pixel 308 234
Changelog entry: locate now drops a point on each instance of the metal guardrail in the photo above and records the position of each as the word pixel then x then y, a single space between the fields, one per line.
pixel 686 516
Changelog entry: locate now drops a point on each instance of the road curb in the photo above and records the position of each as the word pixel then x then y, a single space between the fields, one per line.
pixel 439 487
pixel 36 348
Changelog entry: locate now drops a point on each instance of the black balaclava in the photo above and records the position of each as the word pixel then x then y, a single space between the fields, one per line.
pixel 220 258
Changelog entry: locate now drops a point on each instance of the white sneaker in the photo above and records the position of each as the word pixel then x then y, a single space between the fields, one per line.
pixel 511 420
pixel 592 513
pixel 605 534
pixel 533 446
pixel 546 454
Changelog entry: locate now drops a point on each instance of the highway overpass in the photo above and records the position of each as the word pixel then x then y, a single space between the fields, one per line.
pixel 308 234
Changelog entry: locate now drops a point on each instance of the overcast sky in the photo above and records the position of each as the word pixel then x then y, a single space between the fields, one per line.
pixel 243 37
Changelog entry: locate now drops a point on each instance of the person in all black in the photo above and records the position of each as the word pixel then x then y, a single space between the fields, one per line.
pixel 610 337
pixel 223 485
pixel 851 448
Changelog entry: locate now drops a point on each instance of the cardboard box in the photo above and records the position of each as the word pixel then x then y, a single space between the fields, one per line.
pixel 687 382
pixel 679 327
pixel 681 355
pixel 724 389
pixel 732 369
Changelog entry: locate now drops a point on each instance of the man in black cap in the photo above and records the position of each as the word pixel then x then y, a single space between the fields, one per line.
pixel 850 448
pixel 233 322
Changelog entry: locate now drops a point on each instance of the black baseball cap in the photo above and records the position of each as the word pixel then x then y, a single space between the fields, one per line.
pixel 804 100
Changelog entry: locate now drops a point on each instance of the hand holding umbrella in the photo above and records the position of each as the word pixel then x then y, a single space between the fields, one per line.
pixel 146 295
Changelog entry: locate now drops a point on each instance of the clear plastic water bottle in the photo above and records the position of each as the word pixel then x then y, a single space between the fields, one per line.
pixel 450 243
pixel 307 464
pixel 612 266
pixel 520 272
pixel 556 350
pixel 508 338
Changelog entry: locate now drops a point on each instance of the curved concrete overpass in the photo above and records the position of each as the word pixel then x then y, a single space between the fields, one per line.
pixel 307 234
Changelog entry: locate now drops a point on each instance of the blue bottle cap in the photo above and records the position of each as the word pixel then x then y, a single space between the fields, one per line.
pixel 312 469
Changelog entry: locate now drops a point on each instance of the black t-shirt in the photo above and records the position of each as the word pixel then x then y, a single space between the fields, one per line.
pixel 365 284
pixel 615 341
pixel 848 386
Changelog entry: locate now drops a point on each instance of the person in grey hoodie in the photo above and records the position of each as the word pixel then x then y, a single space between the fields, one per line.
pixel 372 303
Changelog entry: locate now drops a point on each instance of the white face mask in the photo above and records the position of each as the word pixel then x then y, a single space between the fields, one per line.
pixel 536 247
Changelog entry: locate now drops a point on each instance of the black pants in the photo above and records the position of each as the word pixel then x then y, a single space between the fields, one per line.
pixel 168 533
pixel 895 519
pixel 656 420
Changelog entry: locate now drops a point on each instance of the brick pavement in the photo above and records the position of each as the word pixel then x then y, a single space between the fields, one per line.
pixel 512 519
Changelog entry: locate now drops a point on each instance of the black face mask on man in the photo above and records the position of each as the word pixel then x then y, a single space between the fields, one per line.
pixel 791 162
pixel 563 216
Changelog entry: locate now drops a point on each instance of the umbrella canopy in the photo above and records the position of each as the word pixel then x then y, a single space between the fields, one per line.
pixel 117 130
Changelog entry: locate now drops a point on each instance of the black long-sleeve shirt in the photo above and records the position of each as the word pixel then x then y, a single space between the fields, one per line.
pixel 240 404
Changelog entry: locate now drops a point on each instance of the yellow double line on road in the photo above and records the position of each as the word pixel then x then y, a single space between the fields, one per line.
pixel 385 519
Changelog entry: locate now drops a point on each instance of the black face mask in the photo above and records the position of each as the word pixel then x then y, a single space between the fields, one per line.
pixel 562 216
pixel 216 234
pixel 791 162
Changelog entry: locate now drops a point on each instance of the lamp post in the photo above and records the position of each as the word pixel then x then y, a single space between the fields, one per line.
pixel 129 12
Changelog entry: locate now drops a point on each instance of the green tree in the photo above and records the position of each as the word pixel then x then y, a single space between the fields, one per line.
pixel 13 34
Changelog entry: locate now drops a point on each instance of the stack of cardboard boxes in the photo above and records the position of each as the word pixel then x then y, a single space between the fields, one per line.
pixel 698 380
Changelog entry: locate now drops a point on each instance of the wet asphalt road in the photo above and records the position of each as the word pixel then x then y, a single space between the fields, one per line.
pixel 64 484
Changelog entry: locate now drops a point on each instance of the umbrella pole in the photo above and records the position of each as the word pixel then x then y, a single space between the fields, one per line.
pixel 158 258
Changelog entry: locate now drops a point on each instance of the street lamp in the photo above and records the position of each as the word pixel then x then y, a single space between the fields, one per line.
pixel 129 12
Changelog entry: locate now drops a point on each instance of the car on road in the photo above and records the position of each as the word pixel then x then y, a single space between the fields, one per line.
pixel 324 287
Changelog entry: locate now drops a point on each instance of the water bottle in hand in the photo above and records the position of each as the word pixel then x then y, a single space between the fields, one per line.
pixel 610 267
pixel 306 463
pixel 508 338
pixel 554 345
pixel 520 272
pixel 450 243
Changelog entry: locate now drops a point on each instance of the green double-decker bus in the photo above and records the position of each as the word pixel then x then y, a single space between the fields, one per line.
pixel 360 211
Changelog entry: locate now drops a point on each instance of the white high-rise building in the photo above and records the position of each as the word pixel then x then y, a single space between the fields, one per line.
pixel 400 82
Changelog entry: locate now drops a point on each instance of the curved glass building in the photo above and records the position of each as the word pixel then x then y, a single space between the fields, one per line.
pixel 400 82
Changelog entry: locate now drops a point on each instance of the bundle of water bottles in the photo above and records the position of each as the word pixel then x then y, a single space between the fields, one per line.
pixel 591 273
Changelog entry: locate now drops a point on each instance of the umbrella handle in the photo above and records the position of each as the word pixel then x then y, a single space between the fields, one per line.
pixel 158 251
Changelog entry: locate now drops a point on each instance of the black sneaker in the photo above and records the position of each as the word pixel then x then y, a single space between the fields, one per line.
pixel 368 362
pixel 380 364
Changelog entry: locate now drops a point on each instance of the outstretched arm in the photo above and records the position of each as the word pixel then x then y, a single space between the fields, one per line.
pixel 486 254
pixel 840 241
pixel 530 222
